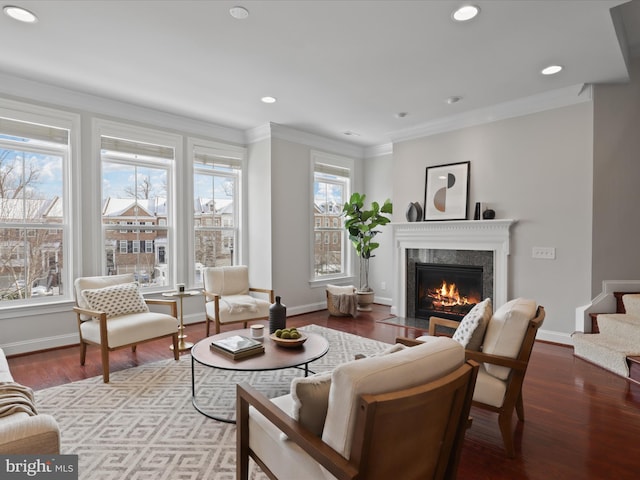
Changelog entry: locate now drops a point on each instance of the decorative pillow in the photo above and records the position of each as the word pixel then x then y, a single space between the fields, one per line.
pixel 116 300
pixel 632 304
pixel 505 333
pixel 471 330
pixel 310 400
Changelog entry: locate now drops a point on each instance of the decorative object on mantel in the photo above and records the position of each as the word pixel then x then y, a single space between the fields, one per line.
pixel 362 227
pixel 476 214
pixel 488 214
pixel 446 192
pixel 414 212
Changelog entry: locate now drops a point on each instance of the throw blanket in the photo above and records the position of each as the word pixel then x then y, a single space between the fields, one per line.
pixel 16 398
pixel 345 303
pixel 240 305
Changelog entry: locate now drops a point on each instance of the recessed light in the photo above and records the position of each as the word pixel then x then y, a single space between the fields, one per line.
pixel 551 69
pixel 401 114
pixel 268 99
pixel 349 133
pixel 465 13
pixel 239 13
pixel 20 14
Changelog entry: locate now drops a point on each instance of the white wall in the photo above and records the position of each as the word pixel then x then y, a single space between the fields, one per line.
pixel 536 169
pixel 377 173
pixel 616 191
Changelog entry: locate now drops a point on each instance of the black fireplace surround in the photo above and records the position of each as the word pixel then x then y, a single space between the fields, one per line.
pixel 447 291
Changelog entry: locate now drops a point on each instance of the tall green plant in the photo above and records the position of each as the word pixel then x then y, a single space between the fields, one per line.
pixel 362 226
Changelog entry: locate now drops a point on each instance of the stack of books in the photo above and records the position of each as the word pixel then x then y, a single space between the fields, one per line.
pixel 237 346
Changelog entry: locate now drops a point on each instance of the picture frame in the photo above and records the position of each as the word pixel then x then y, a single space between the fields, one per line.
pixel 446 192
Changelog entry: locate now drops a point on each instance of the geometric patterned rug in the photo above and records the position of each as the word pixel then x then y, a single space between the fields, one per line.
pixel 142 425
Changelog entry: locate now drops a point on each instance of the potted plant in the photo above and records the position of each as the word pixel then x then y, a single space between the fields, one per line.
pixel 362 225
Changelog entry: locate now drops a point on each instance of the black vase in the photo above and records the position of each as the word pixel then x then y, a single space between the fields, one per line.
pixel 277 316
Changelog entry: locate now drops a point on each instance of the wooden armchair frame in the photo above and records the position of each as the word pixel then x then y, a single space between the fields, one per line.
pixel 104 348
pixel 416 433
pixel 513 396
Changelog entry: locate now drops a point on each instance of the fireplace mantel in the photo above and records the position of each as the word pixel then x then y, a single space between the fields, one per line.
pixel 483 235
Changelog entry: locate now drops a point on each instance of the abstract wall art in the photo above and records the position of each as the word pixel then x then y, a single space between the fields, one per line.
pixel 446 192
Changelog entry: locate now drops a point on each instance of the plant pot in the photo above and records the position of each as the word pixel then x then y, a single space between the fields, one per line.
pixel 365 300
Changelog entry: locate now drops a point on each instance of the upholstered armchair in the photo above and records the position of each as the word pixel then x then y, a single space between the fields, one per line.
pixel 398 415
pixel 112 313
pixel 501 342
pixel 229 298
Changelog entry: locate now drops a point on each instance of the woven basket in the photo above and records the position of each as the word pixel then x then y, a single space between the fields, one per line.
pixel 332 309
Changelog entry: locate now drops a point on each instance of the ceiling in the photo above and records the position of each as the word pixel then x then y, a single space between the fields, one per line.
pixel 334 66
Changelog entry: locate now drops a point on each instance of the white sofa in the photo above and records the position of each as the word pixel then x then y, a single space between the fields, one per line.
pixel 22 433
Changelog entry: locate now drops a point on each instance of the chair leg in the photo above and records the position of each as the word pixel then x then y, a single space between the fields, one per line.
pixel 105 363
pixel 217 327
pixel 208 321
pixel 504 420
pixel 133 348
pixel 83 353
pixel 520 408
pixel 176 352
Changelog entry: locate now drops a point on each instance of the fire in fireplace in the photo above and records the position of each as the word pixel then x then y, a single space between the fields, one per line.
pixel 447 291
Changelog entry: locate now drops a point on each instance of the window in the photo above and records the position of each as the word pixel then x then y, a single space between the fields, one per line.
pixel 136 180
pixel 331 188
pixel 34 223
pixel 216 198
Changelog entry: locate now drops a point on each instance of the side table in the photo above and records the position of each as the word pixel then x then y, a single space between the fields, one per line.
pixel 182 344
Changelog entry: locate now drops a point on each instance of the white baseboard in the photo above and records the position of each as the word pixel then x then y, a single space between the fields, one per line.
pixel 37 344
pixel 555 337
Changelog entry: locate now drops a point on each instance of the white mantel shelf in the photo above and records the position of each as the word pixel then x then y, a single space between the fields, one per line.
pixel 482 235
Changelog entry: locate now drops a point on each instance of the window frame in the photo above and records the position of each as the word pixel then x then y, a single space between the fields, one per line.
pixel 222 150
pixel 342 162
pixel 107 128
pixel 71 191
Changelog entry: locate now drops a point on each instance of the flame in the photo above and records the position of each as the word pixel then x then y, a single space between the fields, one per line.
pixel 447 295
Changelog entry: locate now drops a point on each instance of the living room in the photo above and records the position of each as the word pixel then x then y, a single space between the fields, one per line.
pixel 560 163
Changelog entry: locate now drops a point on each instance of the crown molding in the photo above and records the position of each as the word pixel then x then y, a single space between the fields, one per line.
pixel 31 91
pixel 378 150
pixel 558 98
pixel 274 130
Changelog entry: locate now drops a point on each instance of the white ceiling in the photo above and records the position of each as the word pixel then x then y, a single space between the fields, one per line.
pixel 334 66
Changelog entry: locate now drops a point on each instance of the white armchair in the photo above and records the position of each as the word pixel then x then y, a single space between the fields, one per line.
pixel 113 314
pixel 228 297
pixel 399 415
pixel 501 342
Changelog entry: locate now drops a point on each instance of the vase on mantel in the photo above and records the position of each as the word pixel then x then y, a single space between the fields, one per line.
pixel 277 316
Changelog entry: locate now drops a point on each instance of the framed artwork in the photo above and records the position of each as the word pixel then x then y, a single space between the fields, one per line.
pixel 446 192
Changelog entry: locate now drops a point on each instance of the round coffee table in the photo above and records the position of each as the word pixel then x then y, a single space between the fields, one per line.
pixel 273 358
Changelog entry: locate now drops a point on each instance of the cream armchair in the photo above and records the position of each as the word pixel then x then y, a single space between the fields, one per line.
pixel 228 297
pixel 112 314
pixel 399 415
pixel 501 342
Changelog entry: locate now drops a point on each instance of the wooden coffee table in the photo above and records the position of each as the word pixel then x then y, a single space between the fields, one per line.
pixel 273 358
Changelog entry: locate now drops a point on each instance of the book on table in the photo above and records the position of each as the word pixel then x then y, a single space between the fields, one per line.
pixel 237 346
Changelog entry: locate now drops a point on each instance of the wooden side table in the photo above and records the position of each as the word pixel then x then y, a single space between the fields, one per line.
pixel 182 344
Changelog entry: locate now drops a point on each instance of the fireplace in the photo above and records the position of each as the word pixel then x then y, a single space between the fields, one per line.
pixel 464 242
pixel 447 291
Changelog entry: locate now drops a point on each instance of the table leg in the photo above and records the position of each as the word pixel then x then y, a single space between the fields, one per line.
pixel 195 403
pixel 182 345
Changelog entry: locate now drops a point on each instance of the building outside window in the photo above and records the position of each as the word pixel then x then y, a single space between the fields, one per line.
pixel 136 190
pixel 331 188
pixel 217 171
pixel 33 224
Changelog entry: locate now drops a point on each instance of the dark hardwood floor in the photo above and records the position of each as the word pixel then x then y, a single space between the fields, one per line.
pixel 582 422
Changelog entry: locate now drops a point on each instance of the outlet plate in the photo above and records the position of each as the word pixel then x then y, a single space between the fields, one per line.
pixel 383 285
pixel 544 253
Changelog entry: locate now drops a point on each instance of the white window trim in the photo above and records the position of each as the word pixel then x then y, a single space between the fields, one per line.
pixel 109 128
pixel 319 157
pixel 71 206
pixel 240 220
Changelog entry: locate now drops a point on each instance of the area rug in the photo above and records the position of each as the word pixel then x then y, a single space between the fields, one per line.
pixel 142 424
